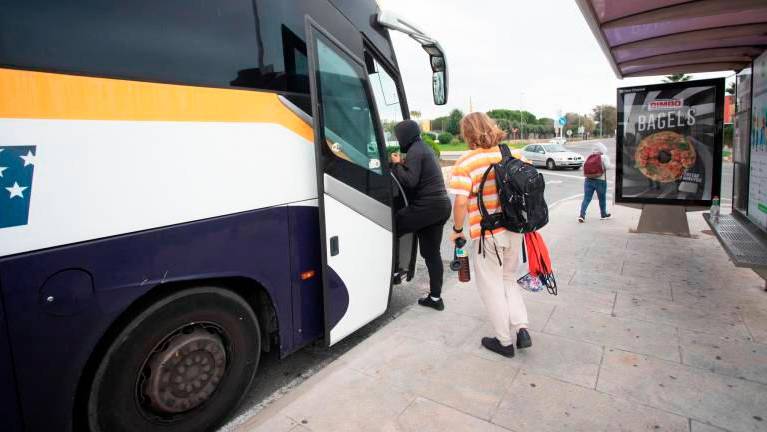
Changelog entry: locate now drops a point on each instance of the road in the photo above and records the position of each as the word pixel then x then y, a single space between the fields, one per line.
pixel 277 377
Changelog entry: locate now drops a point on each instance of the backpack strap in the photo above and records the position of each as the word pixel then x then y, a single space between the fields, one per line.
pixel 505 151
pixel 480 194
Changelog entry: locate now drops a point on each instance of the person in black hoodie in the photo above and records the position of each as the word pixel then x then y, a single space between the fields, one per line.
pixel 429 207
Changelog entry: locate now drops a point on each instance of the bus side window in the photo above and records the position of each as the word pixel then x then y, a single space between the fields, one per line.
pixel 349 129
pixel 386 97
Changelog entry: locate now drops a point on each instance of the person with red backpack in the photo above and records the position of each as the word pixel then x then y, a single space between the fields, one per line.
pixel 595 170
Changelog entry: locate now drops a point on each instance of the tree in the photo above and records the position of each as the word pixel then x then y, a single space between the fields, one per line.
pixel 439 123
pixel 525 117
pixel 454 122
pixel 609 116
pixel 677 78
pixel 575 120
pixel 415 114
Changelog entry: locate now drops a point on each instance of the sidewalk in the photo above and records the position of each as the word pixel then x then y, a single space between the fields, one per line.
pixel 648 333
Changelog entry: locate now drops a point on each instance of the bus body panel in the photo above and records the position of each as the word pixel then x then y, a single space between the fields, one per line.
pixel 51 345
pixel 9 408
pixel 119 201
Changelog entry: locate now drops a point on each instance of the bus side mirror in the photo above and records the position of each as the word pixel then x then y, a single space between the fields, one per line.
pixel 437 59
pixel 439 88
pixel 439 72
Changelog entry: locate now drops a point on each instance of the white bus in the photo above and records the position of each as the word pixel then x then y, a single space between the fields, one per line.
pixel 184 185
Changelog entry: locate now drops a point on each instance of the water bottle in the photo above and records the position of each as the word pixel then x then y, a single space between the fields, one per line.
pixel 715 209
pixel 462 257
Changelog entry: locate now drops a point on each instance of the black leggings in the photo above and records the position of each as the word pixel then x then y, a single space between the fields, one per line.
pixel 427 223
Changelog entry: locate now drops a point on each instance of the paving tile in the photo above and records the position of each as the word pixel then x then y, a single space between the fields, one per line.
pixel 576 298
pixel 555 356
pixel 424 415
pixel 325 407
pixel 473 384
pixel 631 335
pixel 537 403
pixel 464 299
pixel 612 281
pixel 469 383
pixel 700 427
pixel 446 327
pixel 716 399
pixel 732 293
pixel 755 318
pixel 724 356
pixel 653 310
pixel 403 360
pixel 468 302
pixel 278 423
pixel 668 273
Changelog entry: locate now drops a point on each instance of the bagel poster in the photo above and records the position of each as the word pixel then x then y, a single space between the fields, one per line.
pixel 669 143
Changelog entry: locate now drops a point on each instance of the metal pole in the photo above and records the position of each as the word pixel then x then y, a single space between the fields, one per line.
pixel 521 119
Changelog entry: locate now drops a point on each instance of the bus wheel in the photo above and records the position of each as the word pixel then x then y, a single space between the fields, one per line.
pixel 181 365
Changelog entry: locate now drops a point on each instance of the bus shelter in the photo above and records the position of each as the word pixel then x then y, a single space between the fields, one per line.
pixel 662 37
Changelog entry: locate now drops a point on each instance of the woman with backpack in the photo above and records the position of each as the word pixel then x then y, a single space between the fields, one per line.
pixel 496 263
pixel 595 171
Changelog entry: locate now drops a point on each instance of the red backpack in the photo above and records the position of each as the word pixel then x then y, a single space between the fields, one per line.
pixel 593 168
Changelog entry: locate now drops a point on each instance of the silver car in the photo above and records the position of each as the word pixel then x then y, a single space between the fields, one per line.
pixel 552 156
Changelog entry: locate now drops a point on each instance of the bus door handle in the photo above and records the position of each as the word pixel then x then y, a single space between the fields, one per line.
pixel 334 246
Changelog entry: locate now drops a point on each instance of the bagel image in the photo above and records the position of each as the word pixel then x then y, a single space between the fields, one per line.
pixel 664 156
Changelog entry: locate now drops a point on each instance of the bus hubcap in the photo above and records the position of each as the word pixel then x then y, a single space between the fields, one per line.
pixel 186 372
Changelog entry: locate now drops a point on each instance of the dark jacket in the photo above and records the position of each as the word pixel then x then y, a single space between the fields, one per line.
pixel 421 175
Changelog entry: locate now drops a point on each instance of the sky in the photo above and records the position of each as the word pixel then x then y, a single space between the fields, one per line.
pixel 539 55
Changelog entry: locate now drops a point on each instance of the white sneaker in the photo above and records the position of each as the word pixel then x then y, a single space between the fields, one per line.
pixel 581 220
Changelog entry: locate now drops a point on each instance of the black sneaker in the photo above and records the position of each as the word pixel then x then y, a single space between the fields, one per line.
pixel 434 304
pixel 494 345
pixel 523 339
pixel 607 216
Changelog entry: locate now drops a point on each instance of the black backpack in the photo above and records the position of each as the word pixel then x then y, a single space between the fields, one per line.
pixel 520 194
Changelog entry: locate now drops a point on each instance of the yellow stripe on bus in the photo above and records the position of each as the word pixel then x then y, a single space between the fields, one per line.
pixel 41 95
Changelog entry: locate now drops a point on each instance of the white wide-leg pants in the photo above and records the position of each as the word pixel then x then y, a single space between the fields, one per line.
pixel 497 284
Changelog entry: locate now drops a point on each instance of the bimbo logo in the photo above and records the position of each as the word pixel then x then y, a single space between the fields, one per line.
pixel 664 104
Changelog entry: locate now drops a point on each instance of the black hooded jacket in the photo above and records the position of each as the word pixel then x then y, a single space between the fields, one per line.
pixel 420 173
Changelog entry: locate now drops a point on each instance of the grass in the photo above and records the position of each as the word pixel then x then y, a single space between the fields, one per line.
pixel 454 146
pixel 461 146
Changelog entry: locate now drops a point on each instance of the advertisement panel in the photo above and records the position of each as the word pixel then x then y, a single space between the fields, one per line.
pixel 669 143
pixel 757 180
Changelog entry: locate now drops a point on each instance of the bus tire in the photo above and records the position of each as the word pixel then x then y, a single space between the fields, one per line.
pixel 183 364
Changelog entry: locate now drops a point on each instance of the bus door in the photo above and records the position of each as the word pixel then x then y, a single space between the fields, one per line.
pixel 354 188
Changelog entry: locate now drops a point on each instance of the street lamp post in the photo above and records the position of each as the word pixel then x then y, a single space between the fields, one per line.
pixel 521 119
pixel 601 127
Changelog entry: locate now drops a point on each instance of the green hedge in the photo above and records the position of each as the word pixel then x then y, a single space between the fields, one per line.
pixel 445 138
pixel 426 139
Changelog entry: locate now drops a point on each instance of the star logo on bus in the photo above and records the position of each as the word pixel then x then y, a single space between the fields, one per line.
pixel 17 167
pixel 16 190
pixel 29 158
